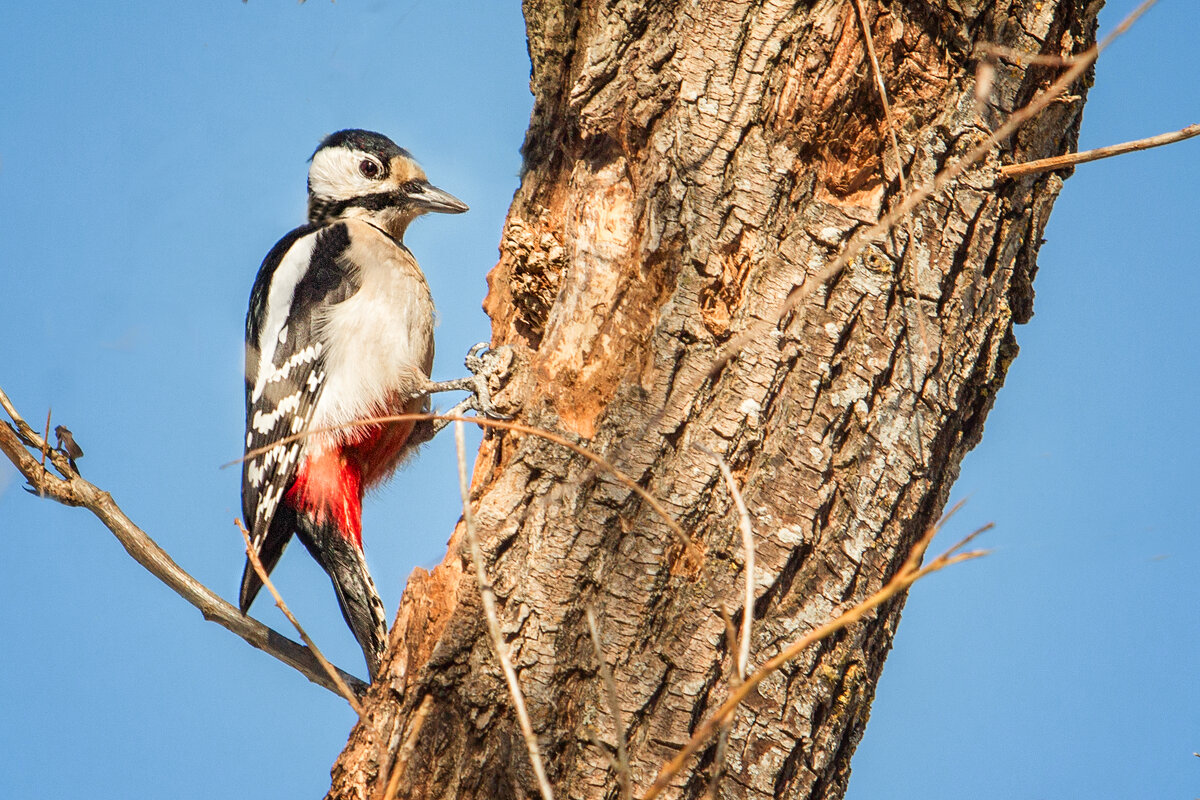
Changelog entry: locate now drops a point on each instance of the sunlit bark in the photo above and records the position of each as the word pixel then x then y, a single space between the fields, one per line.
pixel 687 165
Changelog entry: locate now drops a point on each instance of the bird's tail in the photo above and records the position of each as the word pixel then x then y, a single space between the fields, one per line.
pixel 346 565
pixel 269 545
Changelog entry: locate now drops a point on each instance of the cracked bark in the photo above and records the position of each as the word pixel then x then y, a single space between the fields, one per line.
pixel 686 165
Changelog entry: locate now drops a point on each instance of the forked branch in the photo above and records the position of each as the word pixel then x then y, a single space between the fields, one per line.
pixel 70 489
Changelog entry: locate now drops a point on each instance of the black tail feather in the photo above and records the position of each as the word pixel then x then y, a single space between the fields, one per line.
pixel 347 568
pixel 274 543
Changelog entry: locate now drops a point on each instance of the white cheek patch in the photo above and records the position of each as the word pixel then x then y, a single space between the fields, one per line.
pixel 334 173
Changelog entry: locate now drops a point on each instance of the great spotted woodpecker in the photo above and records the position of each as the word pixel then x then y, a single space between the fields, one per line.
pixel 340 328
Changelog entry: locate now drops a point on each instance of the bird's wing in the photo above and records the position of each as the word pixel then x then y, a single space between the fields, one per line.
pixel 302 276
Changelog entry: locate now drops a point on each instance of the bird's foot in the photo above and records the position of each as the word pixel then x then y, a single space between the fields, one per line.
pixel 489 368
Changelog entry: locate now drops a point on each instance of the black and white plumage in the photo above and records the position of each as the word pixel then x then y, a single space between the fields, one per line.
pixel 340 328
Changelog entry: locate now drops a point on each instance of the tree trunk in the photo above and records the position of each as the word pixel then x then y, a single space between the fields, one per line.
pixel 687 165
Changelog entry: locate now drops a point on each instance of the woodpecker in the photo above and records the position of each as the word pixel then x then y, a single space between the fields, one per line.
pixel 340 328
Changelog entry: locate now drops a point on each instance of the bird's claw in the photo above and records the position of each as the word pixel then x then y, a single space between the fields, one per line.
pixel 489 368
pixel 487 365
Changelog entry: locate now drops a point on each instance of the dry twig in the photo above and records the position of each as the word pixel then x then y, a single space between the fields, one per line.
pixel 330 670
pixel 743 652
pixel 406 749
pixel 489 607
pixel 621 763
pixel 915 299
pixel 908 574
pixel 877 72
pixel 45 440
pixel 1071 159
pixel 735 679
pixel 1022 57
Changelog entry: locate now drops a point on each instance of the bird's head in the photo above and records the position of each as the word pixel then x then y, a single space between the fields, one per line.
pixel 362 174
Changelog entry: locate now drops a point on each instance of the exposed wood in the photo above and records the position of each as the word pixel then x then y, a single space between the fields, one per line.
pixel 687 167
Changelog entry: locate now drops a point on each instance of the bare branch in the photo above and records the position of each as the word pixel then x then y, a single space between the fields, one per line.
pixel 883 96
pixel 75 491
pixel 718 768
pixel 1070 159
pixel 406 749
pixel 909 573
pixel 1022 57
pixel 489 607
pixel 330 670
pixel 735 680
pixel 621 763
pixel 45 441
pixel 743 655
pixel 731 641
pixel 915 263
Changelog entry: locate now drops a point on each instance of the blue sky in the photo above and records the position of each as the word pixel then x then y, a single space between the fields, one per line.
pixel 151 154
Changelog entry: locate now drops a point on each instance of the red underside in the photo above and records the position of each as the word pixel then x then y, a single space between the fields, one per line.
pixel 330 485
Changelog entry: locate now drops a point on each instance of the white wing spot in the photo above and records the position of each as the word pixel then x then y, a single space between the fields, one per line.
pixel 273 374
pixel 265 423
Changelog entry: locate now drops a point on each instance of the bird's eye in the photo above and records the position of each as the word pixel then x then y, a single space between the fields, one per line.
pixel 369 168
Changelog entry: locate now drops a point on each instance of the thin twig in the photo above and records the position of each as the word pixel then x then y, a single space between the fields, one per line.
pixel 735 680
pixel 406 749
pixel 883 96
pixel 46 440
pixel 75 491
pixel 910 572
pixel 1023 57
pixel 261 571
pixel 731 641
pixel 718 768
pixel 743 655
pixel 621 763
pixel 489 607
pixel 1070 159
pixel 486 422
pixel 915 263
pixel 25 434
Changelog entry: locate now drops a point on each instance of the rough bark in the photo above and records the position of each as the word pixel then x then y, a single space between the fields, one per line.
pixel 686 166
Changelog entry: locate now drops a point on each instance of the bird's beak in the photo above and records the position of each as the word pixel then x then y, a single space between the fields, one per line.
pixel 431 198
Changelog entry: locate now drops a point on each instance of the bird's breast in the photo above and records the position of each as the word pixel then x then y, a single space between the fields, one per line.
pixel 380 340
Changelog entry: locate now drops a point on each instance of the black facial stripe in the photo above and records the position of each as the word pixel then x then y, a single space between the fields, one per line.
pixel 324 208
